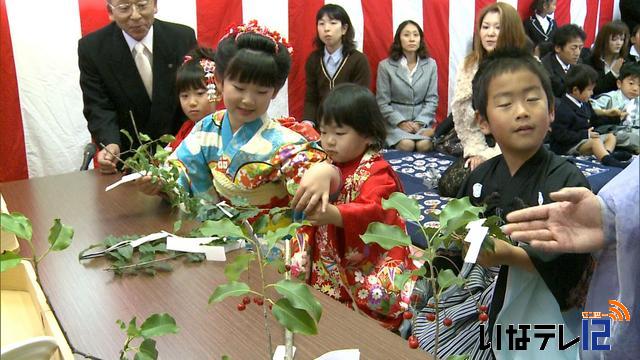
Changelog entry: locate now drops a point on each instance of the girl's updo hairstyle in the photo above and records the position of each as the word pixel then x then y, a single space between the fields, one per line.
pixel 249 57
pixel 191 75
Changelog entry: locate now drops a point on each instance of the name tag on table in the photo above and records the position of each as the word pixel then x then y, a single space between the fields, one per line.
pixel 195 245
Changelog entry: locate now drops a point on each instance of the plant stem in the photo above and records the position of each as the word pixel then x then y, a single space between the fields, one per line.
pixel 256 242
pixel 34 259
pixel 288 335
pixel 436 296
pixel 145 263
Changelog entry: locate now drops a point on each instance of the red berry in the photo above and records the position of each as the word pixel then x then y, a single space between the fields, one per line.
pixel 484 308
pixel 447 321
pixel 413 342
pixel 246 300
pixel 407 315
pixel 258 300
pixel 241 306
pixel 483 317
pixel 270 306
pixel 431 316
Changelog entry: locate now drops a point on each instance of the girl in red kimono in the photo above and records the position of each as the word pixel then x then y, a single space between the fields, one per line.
pixel 352 131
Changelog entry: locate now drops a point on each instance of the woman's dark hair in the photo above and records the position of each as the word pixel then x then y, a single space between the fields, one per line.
pixel 336 12
pixel 506 60
pixel 355 106
pixel 190 75
pixel 395 53
pixel 537 6
pixel 601 45
pixel 580 76
pixel 252 58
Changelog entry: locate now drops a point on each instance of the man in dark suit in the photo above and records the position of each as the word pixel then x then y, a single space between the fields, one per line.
pixel 129 66
pixel 568 42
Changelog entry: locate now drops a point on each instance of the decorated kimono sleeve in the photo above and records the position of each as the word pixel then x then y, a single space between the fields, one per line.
pixel 295 159
pixel 367 207
pixel 191 160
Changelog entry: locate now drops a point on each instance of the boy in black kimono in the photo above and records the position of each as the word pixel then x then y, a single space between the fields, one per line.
pixel 572 131
pixel 513 100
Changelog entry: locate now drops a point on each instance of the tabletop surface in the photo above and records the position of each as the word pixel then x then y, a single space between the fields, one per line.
pixel 88 300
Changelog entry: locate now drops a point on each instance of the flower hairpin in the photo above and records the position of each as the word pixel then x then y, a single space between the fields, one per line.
pixel 209 68
pixel 253 27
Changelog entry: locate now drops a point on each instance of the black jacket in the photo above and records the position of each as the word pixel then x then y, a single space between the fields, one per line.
pixel 111 85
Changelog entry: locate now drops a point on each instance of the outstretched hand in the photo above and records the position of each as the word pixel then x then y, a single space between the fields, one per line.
pixel 315 188
pixel 572 224
pixel 147 186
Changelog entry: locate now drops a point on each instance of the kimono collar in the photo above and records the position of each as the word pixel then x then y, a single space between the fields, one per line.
pixel 533 162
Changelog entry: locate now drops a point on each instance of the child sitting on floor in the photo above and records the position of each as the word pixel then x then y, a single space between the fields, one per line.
pixel 513 100
pixel 352 132
pixel 622 108
pixel 572 131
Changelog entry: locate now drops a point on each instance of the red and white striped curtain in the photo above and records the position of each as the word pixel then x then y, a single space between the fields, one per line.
pixel 43 131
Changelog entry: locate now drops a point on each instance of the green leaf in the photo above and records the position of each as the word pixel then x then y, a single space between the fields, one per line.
pixel 166 138
pixel 455 209
pixel 60 235
pixel 460 222
pixel 161 154
pixel 260 224
pixel 272 237
pixel 459 357
pixel 223 227
pixel 387 236
pixel 144 137
pixel 447 278
pixel 231 289
pixel 422 271
pixel 9 260
pixel 132 329
pixel 177 226
pixel 147 350
pixel 126 252
pixel 121 324
pixel 162 266
pixel 127 135
pixel 158 325
pixel 400 279
pixel 17 224
pixel 407 207
pixel 239 265
pixel 494 223
pixel 296 320
pixel 300 297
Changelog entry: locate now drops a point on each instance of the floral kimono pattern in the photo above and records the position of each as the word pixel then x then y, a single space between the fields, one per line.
pixel 346 268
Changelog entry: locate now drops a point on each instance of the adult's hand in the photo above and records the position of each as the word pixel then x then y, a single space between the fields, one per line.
pixel 474 161
pixel 572 224
pixel 107 158
pixel 407 126
pixel 147 186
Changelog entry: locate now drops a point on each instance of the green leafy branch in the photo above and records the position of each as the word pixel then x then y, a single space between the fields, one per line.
pixel 453 220
pixel 154 326
pixel 297 309
pixel 60 236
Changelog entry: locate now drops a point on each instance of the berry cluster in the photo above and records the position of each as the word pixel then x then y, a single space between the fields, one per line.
pixel 258 300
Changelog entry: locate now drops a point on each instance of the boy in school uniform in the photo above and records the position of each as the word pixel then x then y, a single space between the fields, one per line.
pixel 620 109
pixel 572 131
pixel 514 102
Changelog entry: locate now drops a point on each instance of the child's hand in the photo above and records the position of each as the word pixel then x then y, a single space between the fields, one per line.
pixel 502 251
pixel 427 132
pixel 407 126
pixel 331 216
pixel 315 188
pixel 594 135
pixel 473 162
pixel 146 186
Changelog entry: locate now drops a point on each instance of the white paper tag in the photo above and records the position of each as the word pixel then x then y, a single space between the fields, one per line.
pixel 150 237
pixel 125 179
pixel 214 253
pixel 280 352
pixel 346 354
pixel 540 198
pixel 178 243
pixel 475 236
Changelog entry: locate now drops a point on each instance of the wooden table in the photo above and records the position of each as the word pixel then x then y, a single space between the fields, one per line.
pixel 88 300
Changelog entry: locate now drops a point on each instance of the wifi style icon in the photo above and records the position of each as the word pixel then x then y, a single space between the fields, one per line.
pixel 617 311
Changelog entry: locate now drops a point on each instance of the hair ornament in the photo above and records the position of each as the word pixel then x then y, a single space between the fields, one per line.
pixel 209 68
pixel 253 27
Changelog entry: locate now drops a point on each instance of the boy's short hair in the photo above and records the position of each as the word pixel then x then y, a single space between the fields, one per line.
pixel 506 60
pixel 629 69
pixel 566 33
pixel 580 76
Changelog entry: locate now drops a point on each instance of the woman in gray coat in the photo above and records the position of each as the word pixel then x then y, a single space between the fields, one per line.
pixel 407 90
